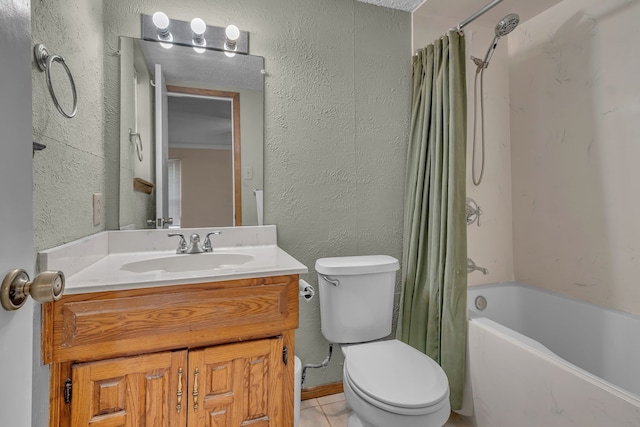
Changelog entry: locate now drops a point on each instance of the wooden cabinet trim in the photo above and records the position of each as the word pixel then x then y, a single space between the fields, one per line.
pixel 281 304
pixel 59 411
pixel 288 373
pixel 122 323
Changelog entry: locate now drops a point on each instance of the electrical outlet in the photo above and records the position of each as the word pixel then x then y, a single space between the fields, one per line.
pixel 97 208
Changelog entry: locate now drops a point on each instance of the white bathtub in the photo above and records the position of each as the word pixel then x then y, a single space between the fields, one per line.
pixel 537 358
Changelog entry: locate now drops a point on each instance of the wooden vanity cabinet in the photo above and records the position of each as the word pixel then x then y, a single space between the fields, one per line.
pixel 211 372
pixel 130 391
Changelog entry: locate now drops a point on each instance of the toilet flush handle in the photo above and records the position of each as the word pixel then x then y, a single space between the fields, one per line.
pixel 334 282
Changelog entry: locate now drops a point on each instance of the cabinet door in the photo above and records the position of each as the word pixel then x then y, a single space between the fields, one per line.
pixel 132 391
pixel 237 384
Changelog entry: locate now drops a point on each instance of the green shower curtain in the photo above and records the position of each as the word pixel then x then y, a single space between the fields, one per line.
pixel 433 309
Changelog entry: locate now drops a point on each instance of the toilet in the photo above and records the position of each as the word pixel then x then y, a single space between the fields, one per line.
pixel 386 383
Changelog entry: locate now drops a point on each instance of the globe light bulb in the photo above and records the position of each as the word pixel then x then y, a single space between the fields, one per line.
pixel 160 20
pixel 232 32
pixel 198 26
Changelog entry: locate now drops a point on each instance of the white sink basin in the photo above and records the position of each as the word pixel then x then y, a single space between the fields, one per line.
pixel 184 263
pixel 124 260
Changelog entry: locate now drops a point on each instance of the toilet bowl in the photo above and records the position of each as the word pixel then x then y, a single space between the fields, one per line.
pixel 389 383
pixel 386 383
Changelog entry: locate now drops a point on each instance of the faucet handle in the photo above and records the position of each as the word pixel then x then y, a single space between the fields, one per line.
pixel 182 246
pixel 208 247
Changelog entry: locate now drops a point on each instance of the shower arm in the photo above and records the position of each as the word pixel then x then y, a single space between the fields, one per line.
pixel 478 14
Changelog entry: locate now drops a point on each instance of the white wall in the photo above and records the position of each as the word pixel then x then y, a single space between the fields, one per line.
pixel 207 187
pixel 489 245
pixel 571 82
pixel 135 207
pixel 575 123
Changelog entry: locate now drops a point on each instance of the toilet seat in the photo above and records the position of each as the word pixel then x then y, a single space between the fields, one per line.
pixel 394 376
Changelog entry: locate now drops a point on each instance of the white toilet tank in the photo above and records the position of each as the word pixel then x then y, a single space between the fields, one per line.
pixel 356 297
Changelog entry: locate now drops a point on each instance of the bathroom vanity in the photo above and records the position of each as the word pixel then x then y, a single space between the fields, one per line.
pixel 181 348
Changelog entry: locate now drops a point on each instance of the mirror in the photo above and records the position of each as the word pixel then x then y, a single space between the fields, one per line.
pixel 191 136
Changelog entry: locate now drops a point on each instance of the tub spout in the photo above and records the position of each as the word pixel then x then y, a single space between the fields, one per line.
pixel 471 267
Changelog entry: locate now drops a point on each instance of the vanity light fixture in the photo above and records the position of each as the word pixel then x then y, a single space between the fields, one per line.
pixel 198 27
pixel 195 33
pixel 161 22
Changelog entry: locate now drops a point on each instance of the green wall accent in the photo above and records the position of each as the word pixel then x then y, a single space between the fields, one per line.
pixel 337 100
pixel 72 167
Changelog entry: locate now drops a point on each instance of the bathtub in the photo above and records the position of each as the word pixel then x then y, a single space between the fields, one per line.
pixel 537 358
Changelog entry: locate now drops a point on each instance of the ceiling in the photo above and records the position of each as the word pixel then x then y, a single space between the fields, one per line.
pixel 408 5
pixel 459 10
pixel 198 122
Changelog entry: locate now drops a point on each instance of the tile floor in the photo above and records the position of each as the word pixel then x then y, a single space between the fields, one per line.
pixel 333 411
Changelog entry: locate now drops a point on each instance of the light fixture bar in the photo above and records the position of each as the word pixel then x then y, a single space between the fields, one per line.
pixel 183 35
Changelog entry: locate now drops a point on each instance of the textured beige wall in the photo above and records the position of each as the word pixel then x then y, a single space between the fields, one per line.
pixel 336 126
pixel 207 187
pixel 489 245
pixel 574 133
pixel 72 167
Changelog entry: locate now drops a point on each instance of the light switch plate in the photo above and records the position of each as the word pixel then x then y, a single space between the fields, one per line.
pixel 247 172
pixel 97 208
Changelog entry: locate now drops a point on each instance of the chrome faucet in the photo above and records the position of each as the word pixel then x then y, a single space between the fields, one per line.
pixel 160 222
pixel 194 247
pixel 182 246
pixel 208 247
pixel 471 267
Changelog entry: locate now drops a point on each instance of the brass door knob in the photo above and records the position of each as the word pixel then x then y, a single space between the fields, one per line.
pixel 16 287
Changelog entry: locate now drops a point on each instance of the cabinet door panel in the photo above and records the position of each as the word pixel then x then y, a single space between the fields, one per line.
pixel 133 391
pixel 238 384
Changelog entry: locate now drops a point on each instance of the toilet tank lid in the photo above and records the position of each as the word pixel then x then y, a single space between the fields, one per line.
pixel 350 265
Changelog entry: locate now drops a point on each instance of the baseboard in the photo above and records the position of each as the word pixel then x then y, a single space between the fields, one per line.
pixel 321 390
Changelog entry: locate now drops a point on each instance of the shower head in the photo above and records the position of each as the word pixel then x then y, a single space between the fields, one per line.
pixel 504 27
pixel 507 24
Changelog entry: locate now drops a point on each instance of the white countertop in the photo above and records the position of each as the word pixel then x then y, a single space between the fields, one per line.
pixel 95 263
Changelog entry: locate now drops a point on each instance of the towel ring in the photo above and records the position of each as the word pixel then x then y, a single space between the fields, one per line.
pixel 136 140
pixel 45 61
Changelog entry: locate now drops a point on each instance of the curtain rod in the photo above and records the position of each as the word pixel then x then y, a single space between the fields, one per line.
pixel 476 15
